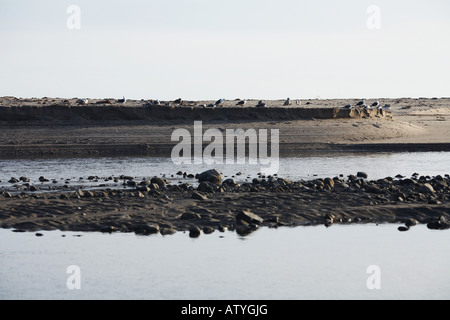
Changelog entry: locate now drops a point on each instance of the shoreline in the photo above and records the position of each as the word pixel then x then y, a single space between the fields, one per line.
pixel 160 207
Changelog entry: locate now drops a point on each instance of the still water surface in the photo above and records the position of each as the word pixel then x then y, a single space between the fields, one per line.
pixel 285 263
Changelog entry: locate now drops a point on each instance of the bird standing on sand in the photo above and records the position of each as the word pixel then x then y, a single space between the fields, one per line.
pixel 261 104
pixel 242 102
pixel 365 106
pixel 287 102
pixel 375 104
pixel 348 106
pixel 219 102
pixel 361 103
pixel 82 101
pixel 123 100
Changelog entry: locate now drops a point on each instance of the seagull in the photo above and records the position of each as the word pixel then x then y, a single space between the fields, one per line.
pixel 219 102
pixel 242 102
pixel 348 106
pixel 375 104
pixel 361 103
pixel 261 104
pixel 287 102
pixel 123 100
pixel 82 101
pixel 365 106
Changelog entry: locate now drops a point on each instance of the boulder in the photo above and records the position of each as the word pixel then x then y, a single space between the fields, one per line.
pixel 194 232
pixel 160 182
pixel 198 196
pixel 362 175
pixel 249 217
pixel 426 188
pixel 329 182
pixel 212 176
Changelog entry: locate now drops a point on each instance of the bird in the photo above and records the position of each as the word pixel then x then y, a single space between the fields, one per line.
pixel 361 103
pixel 387 107
pixel 365 106
pixel 178 101
pixel 82 101
pixel 375 104
pixel 219 102
pixel 242 102
pixel 156 102
pixel 287 102
pixel 123 100
pixel 348 106
pixel 261 104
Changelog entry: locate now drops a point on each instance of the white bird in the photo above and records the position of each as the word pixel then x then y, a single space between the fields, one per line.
pixel 82 101
pixel 361 103
pixel 219 102
pixel 365 106
pixel 287 102
pixel 375 104
pixel 123 100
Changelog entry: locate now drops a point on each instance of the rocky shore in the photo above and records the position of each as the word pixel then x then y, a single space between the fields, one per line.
pixel 213 204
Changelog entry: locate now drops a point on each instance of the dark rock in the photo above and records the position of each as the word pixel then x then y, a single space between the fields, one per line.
pixel 207 187
pixel 229 181
pixel 33 188
pixel 13 180
pixel 194 232
pixel 146 228
pixel 159 181
pixel 43 179
pixel 249 217
pixel 362 175
pixel 79 193
pixel 403 228
pixel 411 222
pixel 198 196
pixel 188 215
pixel 24 179
pixel 208 230
pixel 167 230
pixel 426 188
pixel 38 234
pixel 212 175
pixel 222 228
pixel 329 182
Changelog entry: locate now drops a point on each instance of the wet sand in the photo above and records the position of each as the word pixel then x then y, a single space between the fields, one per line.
pixel 411 125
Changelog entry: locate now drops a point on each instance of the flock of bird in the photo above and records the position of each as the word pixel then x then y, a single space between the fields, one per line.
pixel 261 104
pixel 362 104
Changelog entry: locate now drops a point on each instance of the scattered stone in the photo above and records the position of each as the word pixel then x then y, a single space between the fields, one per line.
pixel 24 179
pixel 33 188
pixel 194 232
pixel 146 229
pixel 362 175
pixel 411 222
pixel 198 196
pixel 212 176
pixel 159 181
pixel 167 231
pixel 13 180
pixel 403 228
pixel 208 230
pixel 249 217
pixel 38 234
pixel 43 179
pixel 188 215
pixel 329 182
pixel 426 188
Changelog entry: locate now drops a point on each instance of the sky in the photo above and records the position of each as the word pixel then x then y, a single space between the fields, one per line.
pixel 210 49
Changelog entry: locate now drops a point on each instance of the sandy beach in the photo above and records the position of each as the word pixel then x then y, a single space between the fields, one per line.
pixel 32 128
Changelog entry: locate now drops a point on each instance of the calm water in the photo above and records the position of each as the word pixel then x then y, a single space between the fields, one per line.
pixel 379 165
pixel 287 263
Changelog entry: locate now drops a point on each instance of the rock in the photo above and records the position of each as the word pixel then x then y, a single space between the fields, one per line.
pixel 146 228
pixel 329 182
pixel 208 230
pixel 167 230
pixel 6 194
pixel 38 234
pixel 188 215
pixel 207 187
pixel 79 193
pixel 33 188
pixel 159 181
pixel 212 176
pixel 411 222
pixel 194 232
pixel 43 179
pixel 229 181
pixel 13 180
pixel 402 228
pixel 198 196
pixel 439 224
pixel 89 194
pixel 362 175
pixel 24 179
pixel 222 228
pixel 249 217
pixel 426 188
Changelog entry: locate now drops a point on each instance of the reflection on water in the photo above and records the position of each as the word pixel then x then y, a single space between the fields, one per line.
pixel 286 263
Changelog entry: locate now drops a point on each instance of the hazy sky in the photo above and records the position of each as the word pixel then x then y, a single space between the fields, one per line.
pixel 209 49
